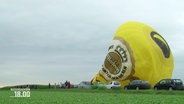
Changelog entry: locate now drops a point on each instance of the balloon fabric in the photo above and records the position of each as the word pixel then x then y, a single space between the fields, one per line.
pixel 137 51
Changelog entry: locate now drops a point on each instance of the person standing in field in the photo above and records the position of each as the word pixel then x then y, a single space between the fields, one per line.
pixel 49 85
pixel 68 84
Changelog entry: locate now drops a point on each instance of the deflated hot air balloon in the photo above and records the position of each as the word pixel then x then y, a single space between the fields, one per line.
pixel 137 51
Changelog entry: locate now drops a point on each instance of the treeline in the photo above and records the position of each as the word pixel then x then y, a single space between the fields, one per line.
pixel 31 86
pixel 36 86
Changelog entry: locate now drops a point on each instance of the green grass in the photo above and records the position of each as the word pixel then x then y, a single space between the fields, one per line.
pixel 78 96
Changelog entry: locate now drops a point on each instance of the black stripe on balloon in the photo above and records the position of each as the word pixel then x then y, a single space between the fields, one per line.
pixel 163 45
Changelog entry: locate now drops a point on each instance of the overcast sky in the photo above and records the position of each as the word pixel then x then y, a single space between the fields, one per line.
pixel 44 41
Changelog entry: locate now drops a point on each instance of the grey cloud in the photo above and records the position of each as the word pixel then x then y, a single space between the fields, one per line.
pixel 63 38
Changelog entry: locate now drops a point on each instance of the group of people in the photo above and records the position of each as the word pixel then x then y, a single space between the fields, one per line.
pixel 67 84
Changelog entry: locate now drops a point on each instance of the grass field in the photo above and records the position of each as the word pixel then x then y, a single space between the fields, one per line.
pixel 81 96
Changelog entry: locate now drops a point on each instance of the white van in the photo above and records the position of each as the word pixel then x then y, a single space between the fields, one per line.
pixel 85 84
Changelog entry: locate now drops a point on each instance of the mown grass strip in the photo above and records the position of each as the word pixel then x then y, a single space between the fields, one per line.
pixel 81 96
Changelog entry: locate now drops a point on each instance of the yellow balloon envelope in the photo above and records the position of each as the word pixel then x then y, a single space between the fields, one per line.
pixel 137 51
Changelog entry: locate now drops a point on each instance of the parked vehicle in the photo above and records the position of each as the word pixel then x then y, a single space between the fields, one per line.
pixel 85 84
pixel 138 84
pixel 113 85
pixel 169 84
pixel 99 85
